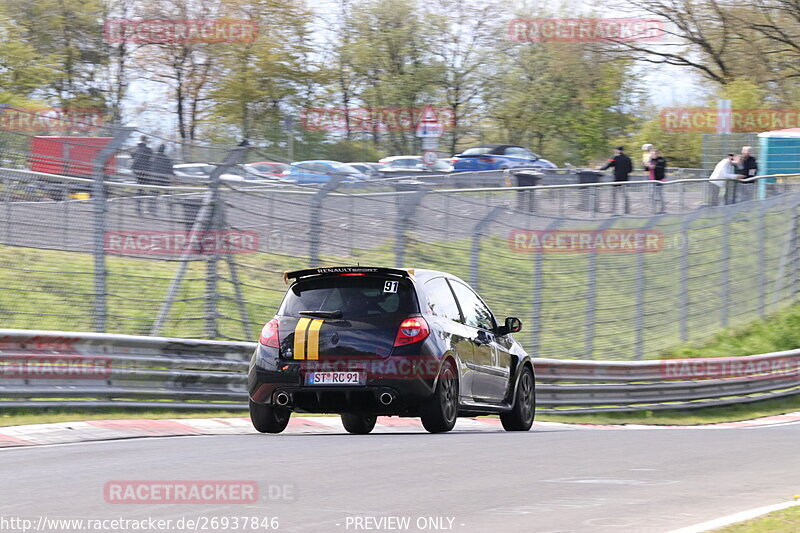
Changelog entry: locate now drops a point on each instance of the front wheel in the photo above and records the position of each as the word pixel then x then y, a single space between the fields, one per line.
pixel 357 424
pixel 440 412
pixel 520 418
pixel 268 419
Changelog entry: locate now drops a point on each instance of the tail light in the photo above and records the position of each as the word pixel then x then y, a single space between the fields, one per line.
pixel 269 334
pixel 411 330
pixel 453 161
pixel 487 160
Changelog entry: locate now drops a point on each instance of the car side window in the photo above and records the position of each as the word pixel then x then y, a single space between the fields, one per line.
pixel 441 299
pixel 476 314
pixel 516 150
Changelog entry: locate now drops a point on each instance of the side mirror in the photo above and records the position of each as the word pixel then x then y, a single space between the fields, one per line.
pixel 512 325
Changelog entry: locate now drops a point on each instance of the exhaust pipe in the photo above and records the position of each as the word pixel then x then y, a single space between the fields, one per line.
pixel 282 399
pixel 386 398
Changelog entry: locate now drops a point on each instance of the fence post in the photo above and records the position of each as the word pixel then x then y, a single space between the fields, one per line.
pixel 640 300
pixel 407 204
pixel 477 233
pixel 212 263
pixel 201 223
pixel 683 304
pixel 538 268
pixel 591 295
pixel 725 288
pixel 99 206
pixel 315 229
pixel 761 259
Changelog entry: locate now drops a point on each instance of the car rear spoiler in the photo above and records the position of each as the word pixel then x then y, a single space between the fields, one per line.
pixel 333 271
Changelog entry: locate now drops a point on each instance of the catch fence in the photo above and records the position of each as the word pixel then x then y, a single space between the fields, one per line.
pixel 595 271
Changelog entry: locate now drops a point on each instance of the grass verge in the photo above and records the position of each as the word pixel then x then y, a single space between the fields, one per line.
pixel 775 522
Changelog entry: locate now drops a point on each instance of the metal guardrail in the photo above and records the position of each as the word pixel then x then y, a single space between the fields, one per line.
pixel 40 369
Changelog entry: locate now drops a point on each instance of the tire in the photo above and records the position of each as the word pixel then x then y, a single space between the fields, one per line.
pixel 439 414
pixel 357 424
pixel 520 418
pixel 268 419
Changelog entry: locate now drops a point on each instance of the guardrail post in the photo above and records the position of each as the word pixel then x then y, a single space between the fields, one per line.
pixel 315 228
pixel 477 233
pixel 407 204
pixel 640 289
pixel 99 204
pixel 591 295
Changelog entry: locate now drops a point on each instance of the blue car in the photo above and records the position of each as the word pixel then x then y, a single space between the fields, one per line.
pixel 498 157
pixel 320 171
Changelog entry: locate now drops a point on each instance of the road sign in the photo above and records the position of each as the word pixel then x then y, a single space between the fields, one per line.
pixel 429 125
pixel 429 157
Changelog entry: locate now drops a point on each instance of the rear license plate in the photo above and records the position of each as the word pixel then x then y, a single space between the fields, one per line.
pixel 335 378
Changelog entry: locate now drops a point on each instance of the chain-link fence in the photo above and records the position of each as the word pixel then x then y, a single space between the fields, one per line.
pixel 716 146
pixel 594 270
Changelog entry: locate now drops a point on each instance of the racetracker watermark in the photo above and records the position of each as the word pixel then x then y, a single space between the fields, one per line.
pixel 49 366
pixel 536 30
pixel 732 367
pixel 163 31
pixel 361 119
pixel 193 492
pixel 55 119
pixel 212 242
pixel 571 241
pixel 709 120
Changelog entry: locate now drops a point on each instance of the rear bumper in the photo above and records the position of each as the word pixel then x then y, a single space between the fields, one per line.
pixel 409 385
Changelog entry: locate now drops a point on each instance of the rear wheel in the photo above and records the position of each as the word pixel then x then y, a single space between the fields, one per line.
pixel 440 412
pixel 357 424
pixel 520 418
pixel 268 419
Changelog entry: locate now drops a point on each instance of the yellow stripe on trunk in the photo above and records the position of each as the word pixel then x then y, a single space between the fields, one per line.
pixel 299 351
pixel 313 339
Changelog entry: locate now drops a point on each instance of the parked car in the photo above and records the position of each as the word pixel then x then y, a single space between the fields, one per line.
pixel 411 164
pixel 198 174
pixel 365 342
pixel 266 169
pixel 320 171
pixel 498 157
pixel 371 170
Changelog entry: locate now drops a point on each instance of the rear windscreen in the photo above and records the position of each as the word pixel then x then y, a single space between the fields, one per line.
pixel 354 296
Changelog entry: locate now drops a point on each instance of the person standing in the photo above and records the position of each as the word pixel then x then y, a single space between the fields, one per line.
pixel 161 172
pixel 748 169
pixel 723 171
pixel 623 166
pixel 141 163
pixel 647 153
pixel 657 166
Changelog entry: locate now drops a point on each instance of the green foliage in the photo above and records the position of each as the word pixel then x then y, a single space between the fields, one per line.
pixel 681 149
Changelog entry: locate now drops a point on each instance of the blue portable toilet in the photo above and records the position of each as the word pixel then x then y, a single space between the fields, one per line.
pixel 779 153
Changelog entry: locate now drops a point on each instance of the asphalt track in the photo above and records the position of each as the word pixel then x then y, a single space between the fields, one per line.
pixel 547 480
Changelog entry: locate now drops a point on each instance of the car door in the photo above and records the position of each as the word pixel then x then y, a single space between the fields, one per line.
pixel 518 156
pixel 491 379
pixel 456 335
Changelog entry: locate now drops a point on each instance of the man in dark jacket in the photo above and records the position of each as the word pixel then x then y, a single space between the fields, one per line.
pixel 141 163
pixel 658 170
pixel 623 166
pixel 748 169
pixel 161 169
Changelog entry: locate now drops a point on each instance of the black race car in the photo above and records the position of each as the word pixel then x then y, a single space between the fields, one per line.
pixel 368 341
